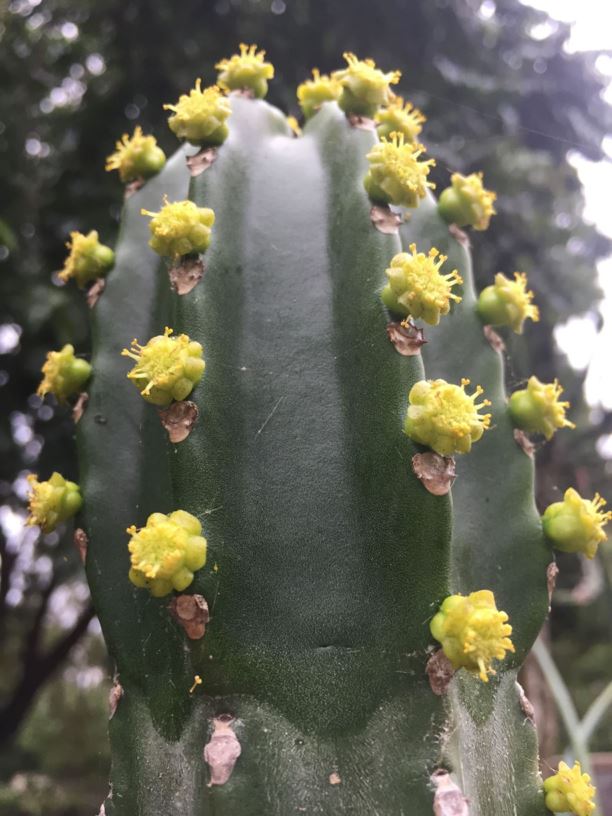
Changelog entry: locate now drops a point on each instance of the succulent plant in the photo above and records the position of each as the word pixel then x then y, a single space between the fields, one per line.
pixel 301 618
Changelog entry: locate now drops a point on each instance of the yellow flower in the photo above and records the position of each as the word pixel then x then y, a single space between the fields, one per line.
pixel 444 417
pixel 180 228
pixel 52 502
pixel 570 791
pixel 508 303
pixel 63 375
pixel 87 259
pixel 473 632
pixel 138 157
pixel 396 176
pixel 399 118
pixel 199 117
pixel 466 202
pixel 365 88
pixel 537 408
pixel 246 71
pixel 167 368
pixel 417 288
pixel 166 552
pixel 576 524
pixel 314 92
pixel 294 125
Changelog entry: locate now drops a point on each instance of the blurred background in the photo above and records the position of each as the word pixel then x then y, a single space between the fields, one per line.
pixel 520 90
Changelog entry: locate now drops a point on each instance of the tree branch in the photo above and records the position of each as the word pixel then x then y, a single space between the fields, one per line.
pixel 36 675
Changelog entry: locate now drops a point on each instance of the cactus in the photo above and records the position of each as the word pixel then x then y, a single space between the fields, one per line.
pixel 365 630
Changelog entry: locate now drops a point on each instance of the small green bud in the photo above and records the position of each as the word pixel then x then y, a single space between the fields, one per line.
pixel 537 409
pixel 466 202
pixel 63 374
pixel 365 88
pixel 52 502
pixel 87 260
pixel 576 524
pixel 507 303
pixel 314 92
pixel 246 71
pixel 138 157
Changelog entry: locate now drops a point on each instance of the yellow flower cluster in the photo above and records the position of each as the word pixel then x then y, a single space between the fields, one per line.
pixel 416 287
pixel 507 302
pixel 136 157
pixel 444 417
pixel 52 502
pixel 473 632
pixel 166 552
pixel 576 524
pixel 396 176
pixel 199 116
pixel 87 259
pixel 63 374
pixel 466 202
pixel 398 117
pixel 570 791
pixel 247 71
pixel 365 88
pixel 314 92
pixel 180 228
pixel 167 368
pixel 537 408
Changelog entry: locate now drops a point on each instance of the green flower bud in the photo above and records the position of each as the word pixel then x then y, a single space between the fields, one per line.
pixel 63 374
pixel 52 502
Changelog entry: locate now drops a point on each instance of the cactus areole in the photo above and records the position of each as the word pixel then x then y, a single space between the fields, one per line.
pixel 291 510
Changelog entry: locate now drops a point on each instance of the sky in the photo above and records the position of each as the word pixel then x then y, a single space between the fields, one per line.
pixel 591 30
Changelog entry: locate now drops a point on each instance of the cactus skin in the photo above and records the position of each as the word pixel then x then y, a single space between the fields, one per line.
pixel 332 557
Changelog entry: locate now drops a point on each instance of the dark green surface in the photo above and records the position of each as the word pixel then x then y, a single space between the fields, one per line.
pixel 327 558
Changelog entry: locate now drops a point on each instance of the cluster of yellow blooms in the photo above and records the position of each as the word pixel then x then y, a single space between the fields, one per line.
pixel 200 116
pixel 180 228
pixel 398 117
pixel 396 174
pixel 473 632
pixel 569 791
pixel 166 552
pixel 417 288
pixel 445 417
pixel 167 368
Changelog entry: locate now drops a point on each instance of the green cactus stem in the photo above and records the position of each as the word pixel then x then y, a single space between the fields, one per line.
pixel 326 557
